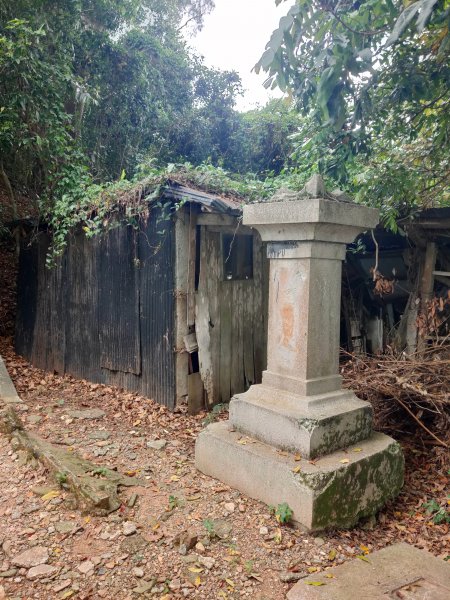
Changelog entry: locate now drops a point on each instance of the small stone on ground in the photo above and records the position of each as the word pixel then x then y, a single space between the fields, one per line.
pixel 41 571
pixel 33 557
pixel 157 444
pixel 93 413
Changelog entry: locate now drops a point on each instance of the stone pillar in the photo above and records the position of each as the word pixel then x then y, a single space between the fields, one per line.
pixel 303 328
pixel 300 406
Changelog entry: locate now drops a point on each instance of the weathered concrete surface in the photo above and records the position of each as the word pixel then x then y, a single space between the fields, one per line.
pixel 304 320
pixel 399 571
pixel 8 392
pixel 313 425
pixel 96 489
pixel 309 219
pixel 300 405
pixel 336 491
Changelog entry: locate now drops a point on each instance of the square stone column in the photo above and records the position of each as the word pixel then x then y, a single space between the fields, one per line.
pixel 303 331
pixel 300 406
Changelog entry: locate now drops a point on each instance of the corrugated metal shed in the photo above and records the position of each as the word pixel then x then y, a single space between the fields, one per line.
pixel 106 312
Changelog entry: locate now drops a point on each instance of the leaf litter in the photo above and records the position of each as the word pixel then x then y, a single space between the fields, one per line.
pixel 236 561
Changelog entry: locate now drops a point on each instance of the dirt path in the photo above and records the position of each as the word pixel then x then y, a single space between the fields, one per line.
pixel 144 549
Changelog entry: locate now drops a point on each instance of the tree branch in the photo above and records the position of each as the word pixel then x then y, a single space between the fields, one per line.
pixel 186 23
pixel 430 104
pixel 370 32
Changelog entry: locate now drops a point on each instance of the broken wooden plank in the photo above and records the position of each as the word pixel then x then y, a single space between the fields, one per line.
pixel 214 258
pixel 247 334
pixel 216 219
pixel 191 262
pixel 237 384
pixel 225 340
pixel 207 319
pixel 195 394
pixel 427 284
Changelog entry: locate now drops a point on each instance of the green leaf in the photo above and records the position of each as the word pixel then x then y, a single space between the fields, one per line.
pixel 265 60
pixel 426 9
pixel 405 18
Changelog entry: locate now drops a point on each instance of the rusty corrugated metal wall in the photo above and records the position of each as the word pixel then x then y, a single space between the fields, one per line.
pixel 105 313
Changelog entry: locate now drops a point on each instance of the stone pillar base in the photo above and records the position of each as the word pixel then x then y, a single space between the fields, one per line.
pixel 329 493
pixel 310 425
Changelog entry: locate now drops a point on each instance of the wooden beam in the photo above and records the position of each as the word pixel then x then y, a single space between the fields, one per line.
pixel 192 249
pixel 427 281
pixel 433 224
pixel 442 273
pixel 216 219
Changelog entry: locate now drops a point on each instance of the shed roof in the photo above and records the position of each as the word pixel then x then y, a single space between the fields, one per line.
pixel 209 202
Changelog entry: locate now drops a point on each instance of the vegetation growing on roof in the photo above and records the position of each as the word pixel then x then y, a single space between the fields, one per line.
pixel 98 208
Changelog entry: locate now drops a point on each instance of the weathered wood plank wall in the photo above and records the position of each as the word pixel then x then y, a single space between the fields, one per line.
pixel 231 321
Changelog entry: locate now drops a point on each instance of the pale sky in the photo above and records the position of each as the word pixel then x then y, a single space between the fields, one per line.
pixel 234 37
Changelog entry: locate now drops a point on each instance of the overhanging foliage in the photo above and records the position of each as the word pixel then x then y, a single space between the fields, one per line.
pixel 372 80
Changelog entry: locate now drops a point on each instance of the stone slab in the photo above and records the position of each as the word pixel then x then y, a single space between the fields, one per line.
pixel 334 491
pixel 8 392
pixel 310 425
pixel 398 571
pixel 309 220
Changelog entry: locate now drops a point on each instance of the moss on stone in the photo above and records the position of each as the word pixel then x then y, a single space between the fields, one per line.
pixel 359 490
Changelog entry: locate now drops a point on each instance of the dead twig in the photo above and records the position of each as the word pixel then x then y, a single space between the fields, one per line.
pixel 419 422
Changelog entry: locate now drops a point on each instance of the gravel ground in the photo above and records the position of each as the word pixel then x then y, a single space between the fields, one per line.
pixel 182 535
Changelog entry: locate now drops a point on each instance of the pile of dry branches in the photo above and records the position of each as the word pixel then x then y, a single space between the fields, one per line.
pixel 408 394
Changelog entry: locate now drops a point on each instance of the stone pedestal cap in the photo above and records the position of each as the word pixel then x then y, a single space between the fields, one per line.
pixel 294 216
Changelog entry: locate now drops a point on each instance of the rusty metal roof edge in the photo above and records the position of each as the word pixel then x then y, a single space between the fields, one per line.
pixel 176 191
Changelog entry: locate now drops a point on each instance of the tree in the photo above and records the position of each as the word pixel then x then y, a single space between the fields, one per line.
pixel 371 79
pixel 206 132
pixel 36 145
pixel 262 144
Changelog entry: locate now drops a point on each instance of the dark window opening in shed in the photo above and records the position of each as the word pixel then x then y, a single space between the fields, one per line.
pixel 194 365
pixel 237 256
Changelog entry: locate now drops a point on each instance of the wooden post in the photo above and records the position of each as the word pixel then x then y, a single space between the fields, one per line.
pixel 427 284
pixel 192 249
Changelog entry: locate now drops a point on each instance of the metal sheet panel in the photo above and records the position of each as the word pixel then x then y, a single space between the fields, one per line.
pixel 214 203
pixel 157 310
pixel 106 314
pixel 40 329
pixel 118 297
pixel 27 290
pixel 80 316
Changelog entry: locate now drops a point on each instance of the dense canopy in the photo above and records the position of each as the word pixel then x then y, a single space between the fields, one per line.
pixel 99 92
pixel 372 81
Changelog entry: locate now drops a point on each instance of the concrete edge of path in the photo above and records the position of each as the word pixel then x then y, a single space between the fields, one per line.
pixel 8 393
pixel 379 576
pixel 95 492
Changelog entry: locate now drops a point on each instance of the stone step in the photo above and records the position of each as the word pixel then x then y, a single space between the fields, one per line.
pixel 313 425
pixel 334 491
pixel 398 571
